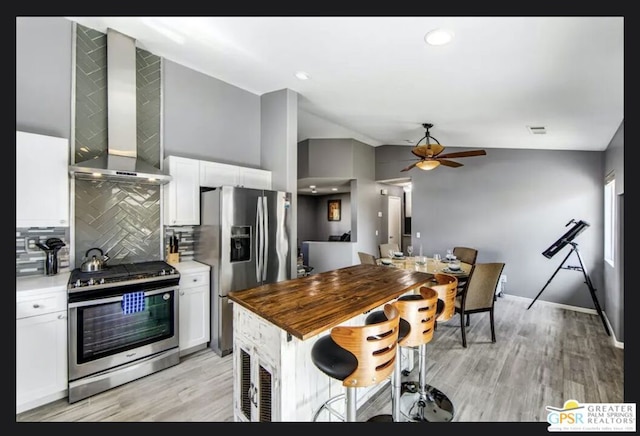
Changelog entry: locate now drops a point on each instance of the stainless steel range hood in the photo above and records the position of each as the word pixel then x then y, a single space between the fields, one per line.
pixel 120 162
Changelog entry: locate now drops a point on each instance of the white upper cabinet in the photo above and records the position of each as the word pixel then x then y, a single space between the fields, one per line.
pixel 255 178
pixel 42 181
pixel 182 193
pixel 214 174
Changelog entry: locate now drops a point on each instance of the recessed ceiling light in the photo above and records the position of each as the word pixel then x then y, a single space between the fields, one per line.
pixel 302 75
pixel 312 186
pixel 438 37
pixel 313 191
pixel 334 189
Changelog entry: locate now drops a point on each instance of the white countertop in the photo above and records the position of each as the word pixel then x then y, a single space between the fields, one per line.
pixel 190 266
pixel 39 284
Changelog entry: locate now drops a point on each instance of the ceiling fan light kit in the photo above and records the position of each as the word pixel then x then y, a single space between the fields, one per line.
pixel 430 157
pixel 428 164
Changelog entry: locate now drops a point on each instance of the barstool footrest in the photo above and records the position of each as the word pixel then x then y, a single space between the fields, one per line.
pixel 327 406
pixel 429 406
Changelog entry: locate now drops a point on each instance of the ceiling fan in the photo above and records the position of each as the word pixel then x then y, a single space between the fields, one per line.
pixel 429 156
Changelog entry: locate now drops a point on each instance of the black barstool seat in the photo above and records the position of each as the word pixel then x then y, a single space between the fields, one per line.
pixel 332 359
pixel 359 356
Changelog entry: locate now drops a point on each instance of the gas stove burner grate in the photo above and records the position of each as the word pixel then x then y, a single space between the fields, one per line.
pixel 121 274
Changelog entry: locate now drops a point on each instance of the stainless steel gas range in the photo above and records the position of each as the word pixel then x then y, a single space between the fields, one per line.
pixel 123 325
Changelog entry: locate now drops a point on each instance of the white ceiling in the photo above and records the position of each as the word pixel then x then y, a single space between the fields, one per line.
pixel 376 80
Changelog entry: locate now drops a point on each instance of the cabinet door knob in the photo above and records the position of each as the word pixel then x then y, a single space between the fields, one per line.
pixel 61 316
pixel 181 292
pixel 36 305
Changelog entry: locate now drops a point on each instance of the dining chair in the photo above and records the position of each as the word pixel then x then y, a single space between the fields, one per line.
pixel 478 295
pixel 466 255
pixel 385 248
pixel 366 258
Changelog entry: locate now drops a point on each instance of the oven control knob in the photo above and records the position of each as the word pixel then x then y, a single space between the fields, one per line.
pixel 173 271
pixel 163 272
pixel 102 281
pixel 77 284
pixel 90 282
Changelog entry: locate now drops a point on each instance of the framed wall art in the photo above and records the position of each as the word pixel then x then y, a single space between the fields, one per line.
pixel 333 208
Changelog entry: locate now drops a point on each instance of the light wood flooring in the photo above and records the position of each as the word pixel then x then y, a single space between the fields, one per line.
pixel 543 356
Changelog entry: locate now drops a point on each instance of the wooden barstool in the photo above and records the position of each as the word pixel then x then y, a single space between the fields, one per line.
pixel 446 286
pixel 419 311
pixel 423 402
pixel 359 356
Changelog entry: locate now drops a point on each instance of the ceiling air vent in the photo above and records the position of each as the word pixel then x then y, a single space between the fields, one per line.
pixel 537 130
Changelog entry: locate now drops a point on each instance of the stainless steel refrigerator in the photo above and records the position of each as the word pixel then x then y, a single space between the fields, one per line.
pixel 244 235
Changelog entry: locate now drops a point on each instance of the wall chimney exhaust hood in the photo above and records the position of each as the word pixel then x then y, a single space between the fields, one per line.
pixel 120 162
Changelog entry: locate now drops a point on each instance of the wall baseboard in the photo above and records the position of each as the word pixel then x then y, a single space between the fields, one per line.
pixel 615 342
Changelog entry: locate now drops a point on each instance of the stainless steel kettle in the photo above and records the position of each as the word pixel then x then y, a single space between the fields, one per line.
pixel 95 263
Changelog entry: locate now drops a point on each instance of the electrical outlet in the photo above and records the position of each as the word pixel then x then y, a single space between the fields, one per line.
pixel 376 233
pixel 379 214
pixel 418 235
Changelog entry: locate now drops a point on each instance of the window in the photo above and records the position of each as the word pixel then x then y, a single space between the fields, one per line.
pixel 609 217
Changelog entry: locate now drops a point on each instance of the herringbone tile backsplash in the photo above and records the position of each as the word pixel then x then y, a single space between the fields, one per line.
pixel 122 219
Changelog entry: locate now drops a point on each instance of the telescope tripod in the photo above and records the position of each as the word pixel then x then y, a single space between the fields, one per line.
pixel 587 280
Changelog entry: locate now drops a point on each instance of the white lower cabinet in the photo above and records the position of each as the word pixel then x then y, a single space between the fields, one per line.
pixel 193 321
pixel 41 350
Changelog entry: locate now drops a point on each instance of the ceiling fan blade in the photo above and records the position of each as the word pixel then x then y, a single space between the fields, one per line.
pixel 465 153
pixel 427 150
pixel 410 166
pixel 449 163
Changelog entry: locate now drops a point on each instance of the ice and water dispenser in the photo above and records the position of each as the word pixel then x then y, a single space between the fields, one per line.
pixel 240 243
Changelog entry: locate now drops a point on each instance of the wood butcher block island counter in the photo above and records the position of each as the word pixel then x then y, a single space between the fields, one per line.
pixel 275 326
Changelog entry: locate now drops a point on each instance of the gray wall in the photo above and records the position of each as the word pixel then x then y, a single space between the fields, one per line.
pixel 43 75
pixel 308 218
pixel 614 275
pixel 349 159
pixel 313 224
pixel 279 150
pixel 511 205
pixel 206 118
pixel 278 131
pixel 327 158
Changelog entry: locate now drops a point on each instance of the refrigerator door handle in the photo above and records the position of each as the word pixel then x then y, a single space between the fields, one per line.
pixel 265 259
pixel 258 240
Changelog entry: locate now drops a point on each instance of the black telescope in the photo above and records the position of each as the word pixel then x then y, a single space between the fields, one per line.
pixel 566 239
pixel 569 236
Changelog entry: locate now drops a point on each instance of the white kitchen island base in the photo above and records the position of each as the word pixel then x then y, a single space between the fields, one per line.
pixel 274 376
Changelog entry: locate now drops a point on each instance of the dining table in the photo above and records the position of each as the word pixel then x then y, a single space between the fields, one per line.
pixel 425 264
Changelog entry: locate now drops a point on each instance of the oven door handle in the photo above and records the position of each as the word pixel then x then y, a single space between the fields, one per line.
pixel 117 298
